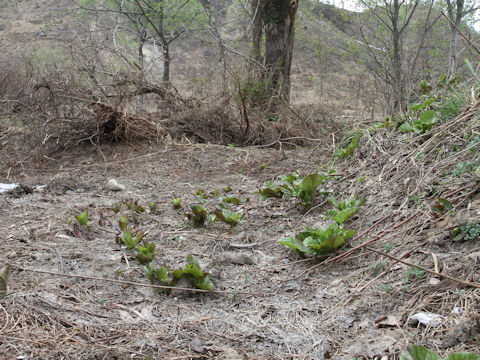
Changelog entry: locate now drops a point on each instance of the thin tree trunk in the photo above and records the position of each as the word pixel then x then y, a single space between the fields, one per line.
pixel 455 18
pixel 398 92
pixel 166 64
pixel 141 41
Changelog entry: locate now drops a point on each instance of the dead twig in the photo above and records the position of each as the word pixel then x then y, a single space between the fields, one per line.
pixel 460 281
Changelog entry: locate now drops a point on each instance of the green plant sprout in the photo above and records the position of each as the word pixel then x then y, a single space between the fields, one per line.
pixel 82 218
pixel 192 272
pixel 152 205
pixel 229 217
pixel 318 241
pixel 215 193
pixel 177 203
pixel 308 188
pixel 348 146
pixel 3 281
pixel 416 352
pixel 139 208
pixel 466 232
pixel 344 210
pixel 116 208
pixel 130 240
pixel 201 194
pixel 146 253
pixel 123 223
pixel 231 200
pixel 197 215
pixel 294 186
pixel 128 204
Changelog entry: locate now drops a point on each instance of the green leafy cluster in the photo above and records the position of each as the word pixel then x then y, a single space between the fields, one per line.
pixel 330 236
pixel 192 272
pixel 82 218
pixel 344 209
pixel 146 252
pixel 416 352
pixel 226 208
pixel 197 215
pixel 3 281
pixel 318 241
pixel 441 207
pixel 134 205
pixel 130 238
pixel 465 167
pixel 295 186
pixel 348 146
pixel 422 116
pixel 466 232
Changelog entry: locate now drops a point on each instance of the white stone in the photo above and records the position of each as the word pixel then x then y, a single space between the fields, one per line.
pixel 113 185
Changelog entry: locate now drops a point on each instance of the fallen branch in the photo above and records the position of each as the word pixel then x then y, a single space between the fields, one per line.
pixel 460 281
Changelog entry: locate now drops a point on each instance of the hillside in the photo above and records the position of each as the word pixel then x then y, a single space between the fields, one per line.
pixel 382 213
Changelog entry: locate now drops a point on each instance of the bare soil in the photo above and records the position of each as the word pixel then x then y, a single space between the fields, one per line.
pixel 84 296
pixel 64 302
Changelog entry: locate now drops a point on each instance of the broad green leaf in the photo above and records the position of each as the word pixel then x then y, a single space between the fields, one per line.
pixel 230 217
pixel 3 281
pixel 417 352
pixel 205 284
pixel 232 200
pixel 340 217
pixel 296 245
pixel 423 105
pixel 156 276
pixel 82 218
pixel 427 116
pixel 309 187
pixel 146 254
pixel 405 128
pixel 464 356
pixel 123 223
pixel 202 194
pixel 197 215
pixel 131 241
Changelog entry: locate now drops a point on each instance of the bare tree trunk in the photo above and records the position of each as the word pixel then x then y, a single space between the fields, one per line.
pixel 257 7
pixel 166 64
pixel 455 18
pixel 398 88
pixel 279 18
pixel 141 63
pixel 141 41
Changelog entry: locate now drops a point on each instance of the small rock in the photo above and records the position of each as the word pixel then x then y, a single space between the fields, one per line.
pixel 197 346
pixel 457 310
pixel 427 319
pixel 113 185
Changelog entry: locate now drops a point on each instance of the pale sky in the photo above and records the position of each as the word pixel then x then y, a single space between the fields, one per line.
pixel 351 5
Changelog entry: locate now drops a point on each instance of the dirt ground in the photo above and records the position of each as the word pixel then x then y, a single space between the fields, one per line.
pixel 64 302
pixel 81 295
